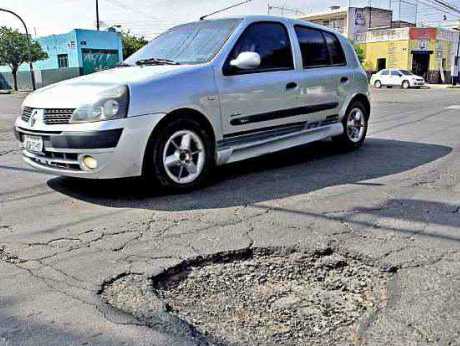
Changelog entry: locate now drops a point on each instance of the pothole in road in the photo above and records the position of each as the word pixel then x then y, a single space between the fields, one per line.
pixel 261 296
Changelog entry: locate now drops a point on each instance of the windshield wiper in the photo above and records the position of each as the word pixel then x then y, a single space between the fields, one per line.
pixel 156 61
pixel 123 65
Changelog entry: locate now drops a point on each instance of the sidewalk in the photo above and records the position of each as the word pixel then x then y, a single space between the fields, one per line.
pixel 443 86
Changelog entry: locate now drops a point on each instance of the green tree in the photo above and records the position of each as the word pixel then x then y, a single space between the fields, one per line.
pixel 360 53
pixel 14 51
pixel 131 43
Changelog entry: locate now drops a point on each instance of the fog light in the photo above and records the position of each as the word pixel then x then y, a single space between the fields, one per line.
pixel 90 162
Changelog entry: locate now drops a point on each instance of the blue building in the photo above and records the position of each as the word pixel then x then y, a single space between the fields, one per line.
pixel 73 54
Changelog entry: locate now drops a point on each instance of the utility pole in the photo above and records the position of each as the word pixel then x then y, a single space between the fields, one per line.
pixel 457 63
pixel 97 15
pixel 370 14
pixel 29 43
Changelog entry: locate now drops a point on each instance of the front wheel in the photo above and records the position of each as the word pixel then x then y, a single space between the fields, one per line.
pixel 378 84
pixel 405 84
pixel 355 127
pixel 179 156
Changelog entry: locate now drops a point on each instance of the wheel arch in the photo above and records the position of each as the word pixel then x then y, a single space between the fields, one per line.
pixel 364 100
pixel 184 113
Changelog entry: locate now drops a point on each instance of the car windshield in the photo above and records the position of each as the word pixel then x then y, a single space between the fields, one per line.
pixel 406 73
pixel 192 43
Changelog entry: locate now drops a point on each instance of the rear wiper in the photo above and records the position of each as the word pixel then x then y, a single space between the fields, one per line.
pixel 156 61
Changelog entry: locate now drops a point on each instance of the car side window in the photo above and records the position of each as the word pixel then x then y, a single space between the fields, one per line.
pixel 313 47
pixel 395 73
pixel 271 41
pixel 384 73
pixel 335 49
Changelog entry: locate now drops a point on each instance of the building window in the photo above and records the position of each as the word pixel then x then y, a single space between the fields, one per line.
pixel 63 60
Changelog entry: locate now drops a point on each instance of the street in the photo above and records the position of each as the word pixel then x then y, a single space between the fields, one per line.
pixel 396 202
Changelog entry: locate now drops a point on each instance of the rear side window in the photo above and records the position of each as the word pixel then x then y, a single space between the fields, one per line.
pixel 271 41
pixel 313 47
pixel 335 49
pixel 384 73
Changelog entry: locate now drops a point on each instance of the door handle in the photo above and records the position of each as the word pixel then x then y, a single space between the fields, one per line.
pixel 344 80
pixel 291 85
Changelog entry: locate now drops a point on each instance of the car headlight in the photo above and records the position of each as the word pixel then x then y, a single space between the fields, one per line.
pixel 108 105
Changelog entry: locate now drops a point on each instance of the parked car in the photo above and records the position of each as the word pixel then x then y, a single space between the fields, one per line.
pixel 200 95
pixel 395 77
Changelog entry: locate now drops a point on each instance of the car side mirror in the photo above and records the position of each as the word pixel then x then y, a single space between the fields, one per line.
pixel 246 61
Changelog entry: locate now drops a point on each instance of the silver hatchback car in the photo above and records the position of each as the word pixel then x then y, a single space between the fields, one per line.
pixel 200 95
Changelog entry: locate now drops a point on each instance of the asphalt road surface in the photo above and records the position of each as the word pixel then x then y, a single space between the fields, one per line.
pixel 396 200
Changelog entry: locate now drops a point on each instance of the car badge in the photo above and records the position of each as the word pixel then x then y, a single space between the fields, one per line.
pixel 37 115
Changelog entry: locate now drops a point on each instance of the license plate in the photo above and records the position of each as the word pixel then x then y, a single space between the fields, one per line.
pixel 33 143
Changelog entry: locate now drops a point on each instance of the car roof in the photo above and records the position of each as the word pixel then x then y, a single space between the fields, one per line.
pixel 265 18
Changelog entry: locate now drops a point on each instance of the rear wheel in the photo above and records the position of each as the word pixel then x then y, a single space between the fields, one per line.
pixel 180 156
pixel 405 84
pixel 355 127
pixel 378 84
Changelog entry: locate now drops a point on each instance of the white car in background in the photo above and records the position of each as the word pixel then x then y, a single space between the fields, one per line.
pixel 392 77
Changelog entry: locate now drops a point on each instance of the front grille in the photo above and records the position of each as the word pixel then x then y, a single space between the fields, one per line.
pixel 52 116
pixel 57 116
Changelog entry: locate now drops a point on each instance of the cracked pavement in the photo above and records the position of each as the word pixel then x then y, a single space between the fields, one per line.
pixel 397 201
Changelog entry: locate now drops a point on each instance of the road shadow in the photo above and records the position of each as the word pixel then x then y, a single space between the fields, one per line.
pixel 288 173
pixel 408 217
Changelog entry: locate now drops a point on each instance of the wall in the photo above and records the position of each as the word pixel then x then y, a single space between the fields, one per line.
pixel 53 45
pixel 396 53
pixel 361 19
pixel 72 43
pixel 42 77
pixel 104 40
pixel 352 20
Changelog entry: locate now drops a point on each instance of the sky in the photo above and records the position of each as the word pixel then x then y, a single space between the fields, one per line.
pixel 151 17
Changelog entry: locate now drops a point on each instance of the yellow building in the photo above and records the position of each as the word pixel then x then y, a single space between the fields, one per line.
pixel 428 52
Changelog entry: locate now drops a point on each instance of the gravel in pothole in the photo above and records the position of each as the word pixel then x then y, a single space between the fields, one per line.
pixel 293 299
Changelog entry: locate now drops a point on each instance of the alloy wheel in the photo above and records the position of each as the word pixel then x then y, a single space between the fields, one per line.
pixel 356 124
pixel 184 157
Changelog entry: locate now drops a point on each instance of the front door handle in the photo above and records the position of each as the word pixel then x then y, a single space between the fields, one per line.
pixel 344 80
pixel 291 85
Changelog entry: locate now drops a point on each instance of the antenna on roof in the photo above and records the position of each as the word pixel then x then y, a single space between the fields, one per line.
pixel 224 9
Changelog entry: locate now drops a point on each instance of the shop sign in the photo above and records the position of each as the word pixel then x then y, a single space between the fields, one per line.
pixel 422 33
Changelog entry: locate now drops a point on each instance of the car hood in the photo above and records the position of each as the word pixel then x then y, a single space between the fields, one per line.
pixel 74 92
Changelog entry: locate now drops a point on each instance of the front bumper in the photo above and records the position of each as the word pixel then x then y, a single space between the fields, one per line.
pixel 117 145
pixel 417 83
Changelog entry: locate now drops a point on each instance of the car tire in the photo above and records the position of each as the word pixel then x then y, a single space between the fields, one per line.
pixel 350 139
pixel 179 155
pixel 378 84
pixel 405 84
